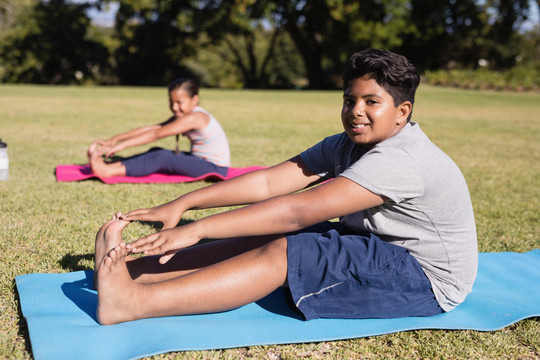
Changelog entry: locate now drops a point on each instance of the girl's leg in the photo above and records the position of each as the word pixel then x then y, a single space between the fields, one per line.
pixel 142 164
pixel 189 165
pixel 103 169
pixel 222 286
pixel 167 162
pixel 156 160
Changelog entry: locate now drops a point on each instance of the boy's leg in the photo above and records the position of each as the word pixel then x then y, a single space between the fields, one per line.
pixel 147 269
pixel 222 286
pixel 363 277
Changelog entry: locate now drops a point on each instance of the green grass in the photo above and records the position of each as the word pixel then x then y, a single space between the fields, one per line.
pixel 47 226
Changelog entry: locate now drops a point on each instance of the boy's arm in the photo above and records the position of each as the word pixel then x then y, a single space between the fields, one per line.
pixel 278 215
pixel 285 178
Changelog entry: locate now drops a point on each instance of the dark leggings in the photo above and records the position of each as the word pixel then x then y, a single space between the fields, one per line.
pixel 158 160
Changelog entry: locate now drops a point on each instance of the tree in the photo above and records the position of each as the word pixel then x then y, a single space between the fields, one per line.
pixel 452 33
pixel 155 36
pixel 503 38
pixel 326 32
pixel 242 34
pixel 49 45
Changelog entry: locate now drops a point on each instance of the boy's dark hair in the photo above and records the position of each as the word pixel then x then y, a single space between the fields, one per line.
pixel 393 72
pixel 191 86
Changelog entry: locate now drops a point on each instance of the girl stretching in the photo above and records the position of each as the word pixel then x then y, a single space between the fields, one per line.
pixel 209 145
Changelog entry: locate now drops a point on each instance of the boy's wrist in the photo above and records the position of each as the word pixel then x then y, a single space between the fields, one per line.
pixel 197 232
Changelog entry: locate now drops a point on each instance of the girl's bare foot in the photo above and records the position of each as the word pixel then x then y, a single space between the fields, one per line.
pixel 92 150
pixel 98 165
pixel 104 169
pixel 107 238
pixel 117 292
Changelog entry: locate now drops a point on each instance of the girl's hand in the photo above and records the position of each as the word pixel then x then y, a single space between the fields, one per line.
pixel 107 143
pixel 166 214
pixel 110 150
pixel 99 148
pixel 166 242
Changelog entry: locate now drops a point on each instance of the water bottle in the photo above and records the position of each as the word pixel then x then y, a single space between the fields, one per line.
pixel 4 161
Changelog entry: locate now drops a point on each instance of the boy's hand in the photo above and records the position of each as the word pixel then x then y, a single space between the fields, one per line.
pixel 167 242
pixel 166 214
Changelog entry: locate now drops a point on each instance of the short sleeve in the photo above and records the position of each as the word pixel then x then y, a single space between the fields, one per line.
pixel 390 172
pixel 321 157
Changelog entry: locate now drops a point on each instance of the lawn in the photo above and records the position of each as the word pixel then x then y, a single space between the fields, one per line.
pixel 49 227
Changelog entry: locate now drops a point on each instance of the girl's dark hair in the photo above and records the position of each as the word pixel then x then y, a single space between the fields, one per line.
pixel 191 86
pixel 393 72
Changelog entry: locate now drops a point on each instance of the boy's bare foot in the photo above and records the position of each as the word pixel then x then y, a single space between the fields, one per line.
pixel 117 292
pixel 107 238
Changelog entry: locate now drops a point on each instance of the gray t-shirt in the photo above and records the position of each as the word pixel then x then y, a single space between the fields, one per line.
pixel 428 211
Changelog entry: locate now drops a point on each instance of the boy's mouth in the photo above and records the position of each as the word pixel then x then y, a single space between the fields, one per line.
pixel 358 128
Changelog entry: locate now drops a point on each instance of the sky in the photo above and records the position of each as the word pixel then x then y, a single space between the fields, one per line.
pixel 105 17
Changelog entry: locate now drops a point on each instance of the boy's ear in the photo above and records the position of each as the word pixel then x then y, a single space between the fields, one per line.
pixel 404 110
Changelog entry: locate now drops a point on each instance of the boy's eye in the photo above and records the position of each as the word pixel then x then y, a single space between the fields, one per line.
pixel 348 102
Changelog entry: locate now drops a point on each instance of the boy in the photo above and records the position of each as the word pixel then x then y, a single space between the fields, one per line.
pixel 405 244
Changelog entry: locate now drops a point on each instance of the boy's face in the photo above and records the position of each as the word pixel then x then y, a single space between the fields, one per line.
pixel 181 103
pixel 368 112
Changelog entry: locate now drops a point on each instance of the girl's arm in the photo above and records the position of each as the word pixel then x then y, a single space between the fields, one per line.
pixel 194 120
pixel 129 134
pixel 106 145
pixel 285 178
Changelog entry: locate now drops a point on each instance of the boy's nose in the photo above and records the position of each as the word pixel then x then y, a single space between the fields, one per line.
pixel 358 110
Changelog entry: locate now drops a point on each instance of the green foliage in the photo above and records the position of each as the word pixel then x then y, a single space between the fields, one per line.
pixel 46 226
pixel 245 61
pixel 49 45
pixel 255 44
pixel 517 79
pixel 153 36
pixel 461 32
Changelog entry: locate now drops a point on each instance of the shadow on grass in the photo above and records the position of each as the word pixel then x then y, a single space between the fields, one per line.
pixel 21 322
pixel 76 262
pixel 72 262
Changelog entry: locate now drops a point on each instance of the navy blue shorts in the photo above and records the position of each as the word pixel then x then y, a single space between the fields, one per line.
pixel 157 160
pixel 335 274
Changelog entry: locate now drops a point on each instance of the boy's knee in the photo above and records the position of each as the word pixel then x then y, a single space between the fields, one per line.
pixel 273 250
pixel 274 256
pixel 278 247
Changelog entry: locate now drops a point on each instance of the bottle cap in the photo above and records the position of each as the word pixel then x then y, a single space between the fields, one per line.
pixel 2 144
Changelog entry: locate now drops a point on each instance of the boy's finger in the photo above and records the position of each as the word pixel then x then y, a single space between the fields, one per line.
pixel 165 258
pixel 135 214
pixel 168 225
pixel 142 243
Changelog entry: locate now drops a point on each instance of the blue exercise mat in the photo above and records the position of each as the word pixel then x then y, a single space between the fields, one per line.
pixel 60 313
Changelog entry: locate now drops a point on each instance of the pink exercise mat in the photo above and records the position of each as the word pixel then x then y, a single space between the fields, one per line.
pixel 83 172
